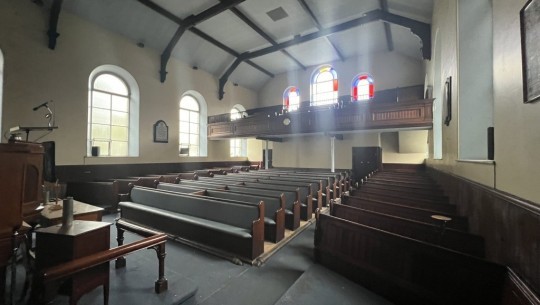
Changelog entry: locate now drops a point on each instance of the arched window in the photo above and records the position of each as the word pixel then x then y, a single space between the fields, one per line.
pixel 324 86
pixel 113 112
pixel 238 146
pixel 189 136
pixel 291 98
pixel 193 125
pixel 362 87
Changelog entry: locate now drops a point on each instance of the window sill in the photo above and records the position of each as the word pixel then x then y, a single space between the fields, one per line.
pixel 476 161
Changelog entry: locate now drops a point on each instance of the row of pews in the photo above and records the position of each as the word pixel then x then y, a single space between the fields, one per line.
pixel 285 198
pixel 398 235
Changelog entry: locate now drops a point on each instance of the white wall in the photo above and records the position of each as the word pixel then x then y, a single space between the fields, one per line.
pixel 517 141
pixel 34 73
pixel 314 151
pixel 408 147
pixel 389 70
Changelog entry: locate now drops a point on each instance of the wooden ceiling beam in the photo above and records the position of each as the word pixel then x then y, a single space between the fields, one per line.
pixel 263 34
pixel 53 23
pixel 314 18
pixel 186 24
pixel 163 12
pixel 421 29
pixel 387 29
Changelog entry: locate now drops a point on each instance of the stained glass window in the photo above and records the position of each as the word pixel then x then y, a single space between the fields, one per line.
pixel 291 98
pixel 362 87
pixel 324 86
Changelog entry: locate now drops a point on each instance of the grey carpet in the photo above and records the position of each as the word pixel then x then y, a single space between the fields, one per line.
pixel 202 278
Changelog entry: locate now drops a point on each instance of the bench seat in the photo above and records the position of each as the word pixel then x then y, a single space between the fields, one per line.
pixel 237 229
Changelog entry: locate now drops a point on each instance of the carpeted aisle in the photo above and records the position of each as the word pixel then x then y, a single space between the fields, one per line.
pixel 289 276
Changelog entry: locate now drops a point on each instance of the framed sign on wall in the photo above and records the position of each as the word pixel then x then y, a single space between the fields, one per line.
pixel 529 17
pixel 161 132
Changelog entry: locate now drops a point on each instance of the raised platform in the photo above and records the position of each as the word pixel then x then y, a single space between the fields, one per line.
pixel 319 285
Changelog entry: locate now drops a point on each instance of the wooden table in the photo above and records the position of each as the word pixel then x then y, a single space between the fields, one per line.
pixel 81 211
pixel 58 244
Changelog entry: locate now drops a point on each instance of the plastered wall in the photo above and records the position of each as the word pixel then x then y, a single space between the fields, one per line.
pixel 406 147
pixel 389 70
pixel 517 142
pixel 34 74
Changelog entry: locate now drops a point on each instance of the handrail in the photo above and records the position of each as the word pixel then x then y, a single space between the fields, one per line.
pixel 69 268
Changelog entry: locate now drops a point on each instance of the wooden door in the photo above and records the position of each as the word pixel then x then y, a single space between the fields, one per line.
pixel 365 160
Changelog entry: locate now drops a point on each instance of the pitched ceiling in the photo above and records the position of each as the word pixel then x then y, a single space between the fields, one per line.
pixel 213 44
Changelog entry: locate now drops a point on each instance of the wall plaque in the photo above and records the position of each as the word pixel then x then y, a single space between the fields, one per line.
pixel 161 132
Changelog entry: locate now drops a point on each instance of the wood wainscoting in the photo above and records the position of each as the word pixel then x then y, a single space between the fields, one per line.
pixel 101 172
pixel 509 225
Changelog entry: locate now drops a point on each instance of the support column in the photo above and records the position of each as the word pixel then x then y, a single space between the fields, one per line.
pixel 333 153
pixel 266 155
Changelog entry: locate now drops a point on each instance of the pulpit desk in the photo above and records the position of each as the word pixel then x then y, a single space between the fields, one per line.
pixel 58 244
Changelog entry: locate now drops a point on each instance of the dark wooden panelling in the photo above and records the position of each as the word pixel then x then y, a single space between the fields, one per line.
pixel 67 173
pixel 358 116
pixel 400 167
pixel 509 225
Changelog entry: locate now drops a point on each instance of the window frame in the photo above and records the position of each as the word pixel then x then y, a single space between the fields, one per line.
pixel 91 122
pixel 189 133
pixel 287 98
pixel 315 94
pixel 237 146
pixel 355 85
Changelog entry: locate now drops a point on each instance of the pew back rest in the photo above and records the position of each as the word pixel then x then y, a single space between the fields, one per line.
pixel 179 188
pixel 315 186
pixel 234 214
pixel 290 197
pixel 104 194
pixel 301 192
pixel 271 204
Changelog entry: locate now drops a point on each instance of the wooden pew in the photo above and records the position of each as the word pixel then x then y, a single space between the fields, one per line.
pixel 292 205
pixel 204 173
pixel 304 190
pixel 124 183
pixel 303 195
pixel 167 178
pixel 102 194
pixel 423 184
pixel 401 192
pixel 319 198
pixel 406 188
pixel 233 230
pixel 433 234
pixel 185 176
pixel 404 270
pixel 405 200
pixel 418 214
pixel 274 220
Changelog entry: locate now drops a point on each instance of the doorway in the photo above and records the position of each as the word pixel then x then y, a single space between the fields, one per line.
pixel 269 158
